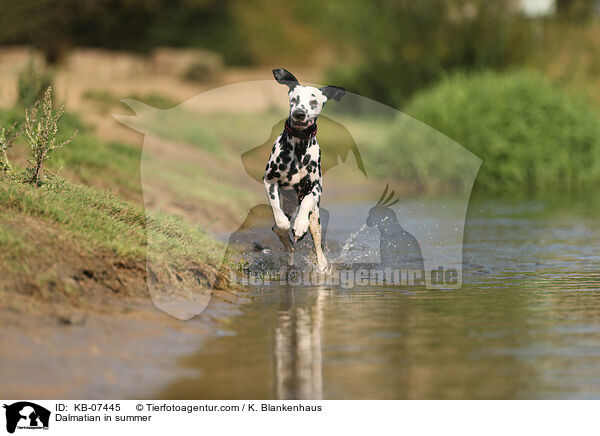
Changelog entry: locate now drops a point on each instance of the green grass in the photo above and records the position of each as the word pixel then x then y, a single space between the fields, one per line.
pixel 531 135
pixel 205 189
pixel 106 101
pixel 116 166
pixel 12 245
pixel 217 133
pixel 97 219
pixel 92 161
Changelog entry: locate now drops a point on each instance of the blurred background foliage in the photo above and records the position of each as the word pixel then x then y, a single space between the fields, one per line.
pixel 517 87
pixel 55 26
pixel 406 47
pixel 363 45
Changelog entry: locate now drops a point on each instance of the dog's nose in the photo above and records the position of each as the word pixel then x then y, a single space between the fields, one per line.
pixel 299 115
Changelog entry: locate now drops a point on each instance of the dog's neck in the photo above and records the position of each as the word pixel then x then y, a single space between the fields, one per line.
pixel 308 133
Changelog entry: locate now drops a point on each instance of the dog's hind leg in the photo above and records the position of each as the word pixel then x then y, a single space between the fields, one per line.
pixel 282 223
pixel 314 226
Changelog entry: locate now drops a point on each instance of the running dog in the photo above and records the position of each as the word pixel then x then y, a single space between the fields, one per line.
pixel 295 163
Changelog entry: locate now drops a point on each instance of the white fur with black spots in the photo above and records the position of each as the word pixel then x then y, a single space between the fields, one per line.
pixel 295 163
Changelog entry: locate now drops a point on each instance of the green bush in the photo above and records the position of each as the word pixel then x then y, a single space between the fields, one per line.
pixel 530 134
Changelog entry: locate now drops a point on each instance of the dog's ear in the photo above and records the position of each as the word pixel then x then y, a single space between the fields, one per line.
pixel 333 92
pixel 285 78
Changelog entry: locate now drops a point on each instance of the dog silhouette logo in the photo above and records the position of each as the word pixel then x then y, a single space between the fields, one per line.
pixel 362 143
pixel 26 415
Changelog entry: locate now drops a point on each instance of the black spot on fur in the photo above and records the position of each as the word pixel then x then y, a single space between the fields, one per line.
pixel 301 148
pixel 305 186
pixel 285 158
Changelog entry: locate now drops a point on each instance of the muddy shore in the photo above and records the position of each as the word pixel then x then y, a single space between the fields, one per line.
pixel 126 348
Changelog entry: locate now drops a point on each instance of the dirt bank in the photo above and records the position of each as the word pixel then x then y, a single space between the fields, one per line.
pixel 75 313
pixel 111 344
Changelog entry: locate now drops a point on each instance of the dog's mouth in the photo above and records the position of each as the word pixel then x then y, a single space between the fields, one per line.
pixel 302 124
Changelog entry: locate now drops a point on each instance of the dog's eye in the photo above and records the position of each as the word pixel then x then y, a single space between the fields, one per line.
pixel 313 104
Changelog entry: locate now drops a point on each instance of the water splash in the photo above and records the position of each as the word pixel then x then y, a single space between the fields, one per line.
pixel 350 243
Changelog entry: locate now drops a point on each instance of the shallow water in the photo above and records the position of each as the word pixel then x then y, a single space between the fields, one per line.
pixel 525 324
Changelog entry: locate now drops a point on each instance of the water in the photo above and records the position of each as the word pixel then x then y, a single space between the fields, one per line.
pixel 526 323
pixel 350 243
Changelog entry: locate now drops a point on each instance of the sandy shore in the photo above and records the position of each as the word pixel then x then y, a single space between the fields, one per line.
pixel 130 353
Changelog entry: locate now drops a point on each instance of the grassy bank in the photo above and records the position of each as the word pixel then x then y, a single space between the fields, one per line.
pixel 65 242
pixel 81 233
pixel 98 219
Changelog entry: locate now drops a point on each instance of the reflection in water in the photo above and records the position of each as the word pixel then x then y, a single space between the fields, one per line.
pixel 526 324
pixel 297 348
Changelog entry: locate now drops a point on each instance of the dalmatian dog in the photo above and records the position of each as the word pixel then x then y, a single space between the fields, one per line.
pixel 295 163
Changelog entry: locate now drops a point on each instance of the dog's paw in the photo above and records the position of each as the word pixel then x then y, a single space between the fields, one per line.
pixel 299 228
pixel 322 266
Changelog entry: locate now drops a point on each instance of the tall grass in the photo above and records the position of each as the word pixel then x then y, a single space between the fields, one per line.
pixel 531 135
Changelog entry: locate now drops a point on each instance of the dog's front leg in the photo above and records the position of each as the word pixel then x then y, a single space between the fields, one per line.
pixel 308 217
pixel 315 231
pixel 282 223
pixel 308 203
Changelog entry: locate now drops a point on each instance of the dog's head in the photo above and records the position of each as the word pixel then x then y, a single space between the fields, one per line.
pixel 306 102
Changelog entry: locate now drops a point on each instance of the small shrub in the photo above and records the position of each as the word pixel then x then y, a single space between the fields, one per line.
pixel 531 135
pixel 42 133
